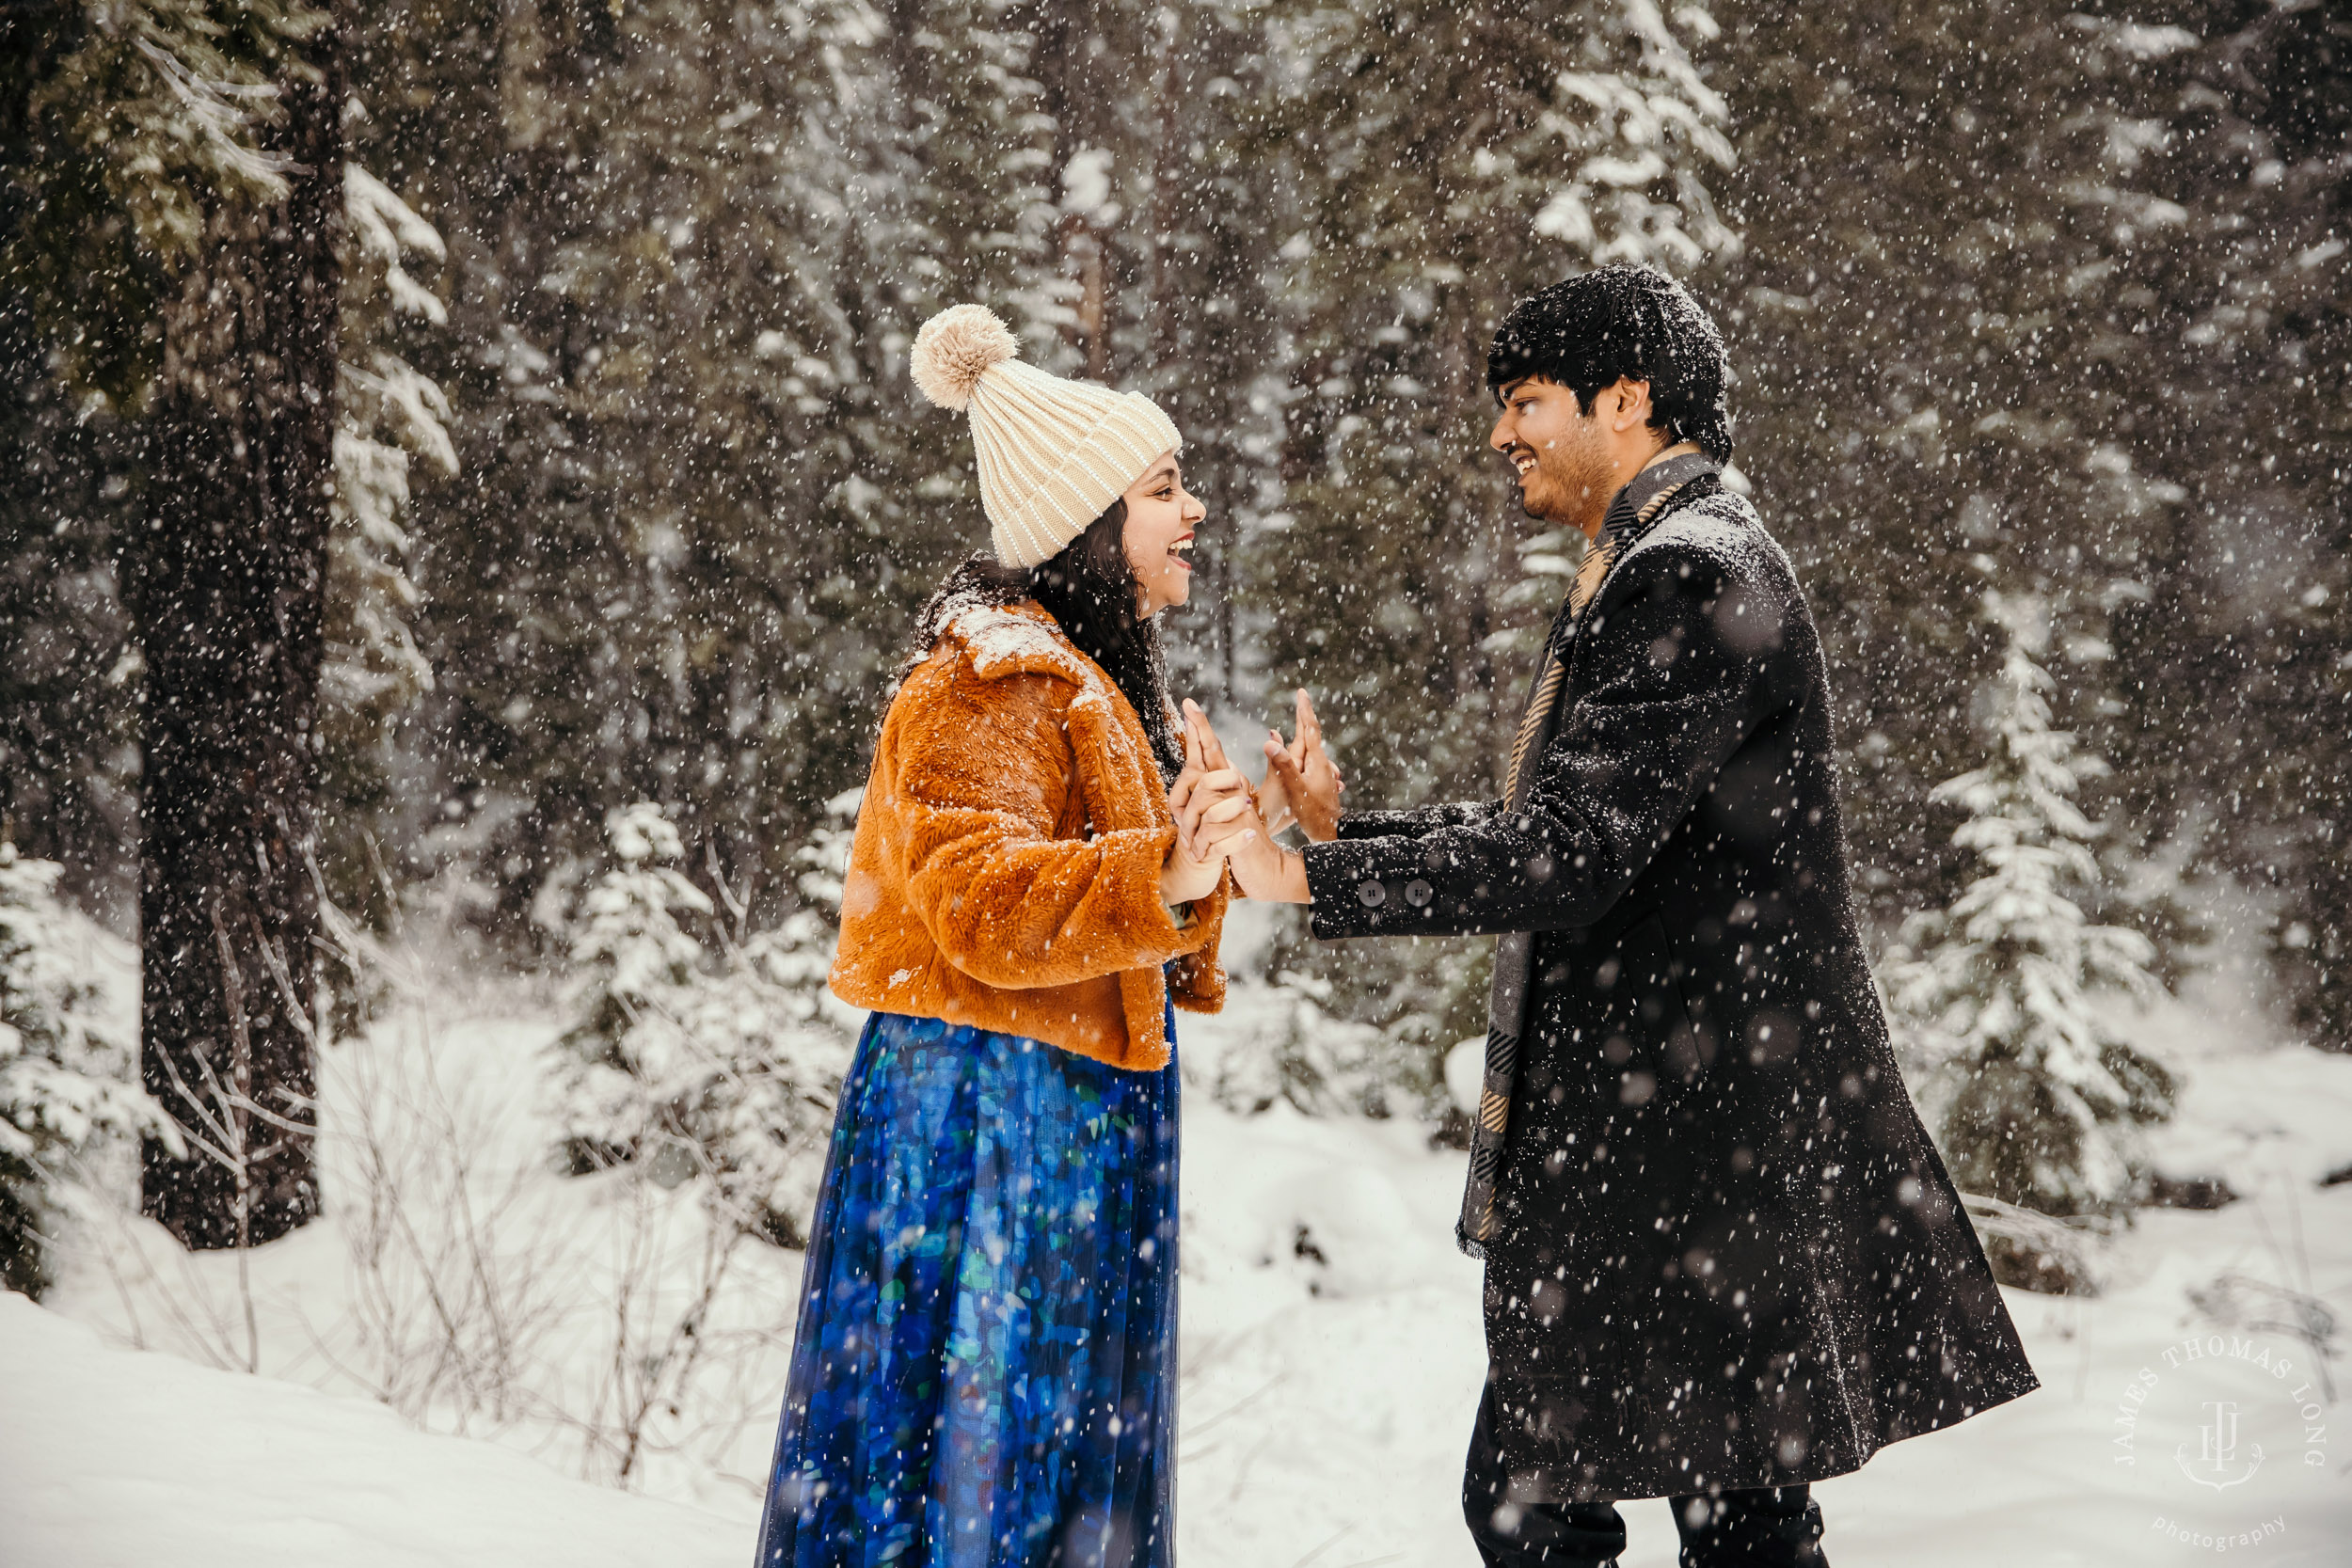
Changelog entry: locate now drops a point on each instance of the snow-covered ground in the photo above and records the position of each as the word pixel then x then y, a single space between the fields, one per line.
pixel 1327 1408
pixel 129 1459
pixel 1330 1342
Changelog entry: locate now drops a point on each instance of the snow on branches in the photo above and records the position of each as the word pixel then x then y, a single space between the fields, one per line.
pixel 69 1072
pixel 387 412
pixel 2005 1002
pixel 714 1062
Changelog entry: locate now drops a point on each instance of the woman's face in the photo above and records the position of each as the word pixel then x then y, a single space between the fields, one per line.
pixel 1161 515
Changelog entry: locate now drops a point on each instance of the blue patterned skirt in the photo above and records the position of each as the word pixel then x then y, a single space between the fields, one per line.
pixel 985 1372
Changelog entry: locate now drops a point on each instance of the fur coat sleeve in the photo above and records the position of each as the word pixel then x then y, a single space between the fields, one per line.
pixel 1005 898
pixel 1007 866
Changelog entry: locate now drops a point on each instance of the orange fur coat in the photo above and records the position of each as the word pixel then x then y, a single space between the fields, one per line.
pixel 1006 872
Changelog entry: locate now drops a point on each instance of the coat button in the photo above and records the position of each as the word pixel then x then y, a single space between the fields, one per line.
pixel 1417 892
pixel 1370 895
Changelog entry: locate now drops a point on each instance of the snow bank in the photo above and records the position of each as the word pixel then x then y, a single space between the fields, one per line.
pixel 124 1459
pixel 1331 1358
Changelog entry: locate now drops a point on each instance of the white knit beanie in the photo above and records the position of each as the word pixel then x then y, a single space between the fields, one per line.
pixel 1054 453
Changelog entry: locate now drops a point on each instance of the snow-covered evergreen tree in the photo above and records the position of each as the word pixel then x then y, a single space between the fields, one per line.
pixel 387 413
pixel 711 1062
pixel 128 121
pixel 389 416
pixel 2006 1001
pixel 1321 1065
pixel 68 1073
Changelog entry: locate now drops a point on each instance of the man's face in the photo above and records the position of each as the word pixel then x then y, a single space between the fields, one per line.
pixel 1567 470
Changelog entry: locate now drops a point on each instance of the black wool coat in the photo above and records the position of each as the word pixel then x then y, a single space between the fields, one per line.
pixel 1728 1254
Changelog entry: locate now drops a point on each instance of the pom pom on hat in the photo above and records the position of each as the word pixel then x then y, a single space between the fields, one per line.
pixel 955 348
pixel 1053 453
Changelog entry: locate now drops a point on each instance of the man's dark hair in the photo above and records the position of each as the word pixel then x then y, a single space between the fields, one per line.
pixel 1629 322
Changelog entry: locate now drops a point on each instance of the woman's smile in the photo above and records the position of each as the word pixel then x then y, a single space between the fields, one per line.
pixel 1162 520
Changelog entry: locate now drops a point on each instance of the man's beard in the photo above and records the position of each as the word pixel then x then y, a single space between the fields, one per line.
pixel 1581 478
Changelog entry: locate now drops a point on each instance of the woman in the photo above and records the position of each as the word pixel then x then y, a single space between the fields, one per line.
pixel 986 1364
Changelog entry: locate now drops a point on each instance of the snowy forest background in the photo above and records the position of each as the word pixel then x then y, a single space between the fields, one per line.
pixel 606 503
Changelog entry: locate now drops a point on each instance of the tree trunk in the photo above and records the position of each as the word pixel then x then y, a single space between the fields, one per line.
pixel 1059 32
pixel 226 585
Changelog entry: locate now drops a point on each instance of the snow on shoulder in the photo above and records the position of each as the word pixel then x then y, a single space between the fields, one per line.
pixel 111 1456
pixel 1007 640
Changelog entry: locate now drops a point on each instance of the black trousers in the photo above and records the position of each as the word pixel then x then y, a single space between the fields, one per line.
pixel 1772 1528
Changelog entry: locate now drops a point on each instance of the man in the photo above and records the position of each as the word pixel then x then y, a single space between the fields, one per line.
pixel 1723 1259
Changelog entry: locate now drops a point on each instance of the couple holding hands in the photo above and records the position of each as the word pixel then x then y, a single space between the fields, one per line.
pixel 1723 1259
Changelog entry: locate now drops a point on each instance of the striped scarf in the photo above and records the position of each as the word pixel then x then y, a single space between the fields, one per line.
pixel 1590 574
pixel 1635 507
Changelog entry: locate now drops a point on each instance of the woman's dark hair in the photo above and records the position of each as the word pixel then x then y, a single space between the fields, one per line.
pixel 1627 321
pixel 1090 589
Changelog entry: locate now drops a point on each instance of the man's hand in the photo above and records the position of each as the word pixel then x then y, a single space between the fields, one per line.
pixel 1265 870
pixel 1301 784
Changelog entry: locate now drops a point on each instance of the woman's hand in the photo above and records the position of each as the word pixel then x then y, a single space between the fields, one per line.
pixel 1229 828
pixel 1205 784
pixel 1301 784
pixel 1264 869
